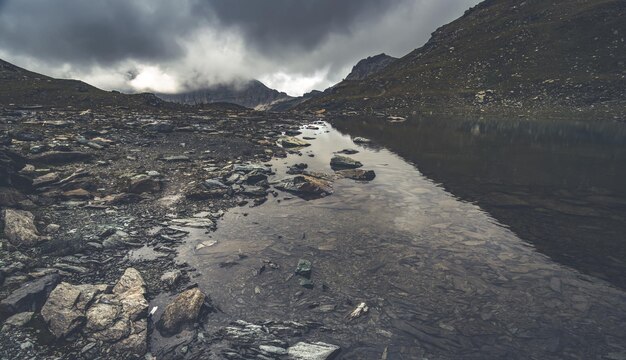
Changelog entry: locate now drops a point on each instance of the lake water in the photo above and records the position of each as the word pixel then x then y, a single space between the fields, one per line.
pixel 476 240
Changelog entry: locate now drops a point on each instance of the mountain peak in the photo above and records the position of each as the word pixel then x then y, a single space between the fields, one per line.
pixel 370 66
pixel 251 94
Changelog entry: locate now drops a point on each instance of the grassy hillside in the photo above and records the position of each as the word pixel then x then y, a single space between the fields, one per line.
pixel 505 54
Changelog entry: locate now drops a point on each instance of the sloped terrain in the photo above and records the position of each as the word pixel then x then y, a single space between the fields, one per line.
pixel 509 54
pixel 370 66
pixel 23 88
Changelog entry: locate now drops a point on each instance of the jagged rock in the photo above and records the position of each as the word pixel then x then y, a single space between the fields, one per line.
pixel 143 183
pixel 306 186
pixel 19 228
pixel 184 310
pixel 61 157
pixel 137 342
pixel 131 282
pixel 117 318
pixel 291 142
pixel 30 296
pixel 358 174
pixel 60 312
pixel 46 179
pixel 313 351
pixel 343 162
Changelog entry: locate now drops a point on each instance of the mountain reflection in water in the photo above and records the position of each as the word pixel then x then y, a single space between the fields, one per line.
pixel 558 185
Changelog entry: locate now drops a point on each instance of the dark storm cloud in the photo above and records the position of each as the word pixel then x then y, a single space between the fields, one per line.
pixel 103 31
pixel 300 23
pixel 294 45
pixel 106 31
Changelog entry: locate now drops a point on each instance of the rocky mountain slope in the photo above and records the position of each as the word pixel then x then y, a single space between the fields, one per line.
pixel 370 66
pixel 252 94
pixel 505 55
pixel 23 88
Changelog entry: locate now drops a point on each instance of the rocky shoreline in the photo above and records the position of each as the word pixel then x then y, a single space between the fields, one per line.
pixel 86 190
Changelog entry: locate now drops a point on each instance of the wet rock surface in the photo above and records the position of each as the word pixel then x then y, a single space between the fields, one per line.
pixel 339 162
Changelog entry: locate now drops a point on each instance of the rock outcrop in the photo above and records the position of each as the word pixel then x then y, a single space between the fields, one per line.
pixel 117 318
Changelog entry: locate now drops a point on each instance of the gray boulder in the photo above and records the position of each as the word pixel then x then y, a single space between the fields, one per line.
pixel 117 318
pixel 30 296
pixel 60 312
pixel 19 228
pixel 183 311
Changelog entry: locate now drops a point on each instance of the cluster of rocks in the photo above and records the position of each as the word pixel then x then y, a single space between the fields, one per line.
pixel 85 190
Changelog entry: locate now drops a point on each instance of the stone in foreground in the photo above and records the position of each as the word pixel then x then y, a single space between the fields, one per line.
pixel 184 310
pixel 19 228
pixel 115 318
pixel 313 351
pixel 30 296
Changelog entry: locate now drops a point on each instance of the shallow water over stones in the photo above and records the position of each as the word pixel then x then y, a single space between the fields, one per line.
pixel 440 276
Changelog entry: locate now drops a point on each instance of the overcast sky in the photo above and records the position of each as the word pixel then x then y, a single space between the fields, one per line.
pixel 175 45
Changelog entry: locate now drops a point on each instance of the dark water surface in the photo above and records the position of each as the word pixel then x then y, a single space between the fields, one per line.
pixel 476 240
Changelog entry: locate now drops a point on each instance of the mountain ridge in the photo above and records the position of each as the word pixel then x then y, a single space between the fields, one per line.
pixel 252 94
pixel 503 55
pixel 21 87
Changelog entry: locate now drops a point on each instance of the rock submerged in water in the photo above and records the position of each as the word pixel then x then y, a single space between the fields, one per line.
pixel 292 142
pixel 306 186
pixel 358 174
pixel 183 311
pixel 19 228
pixel 339 162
